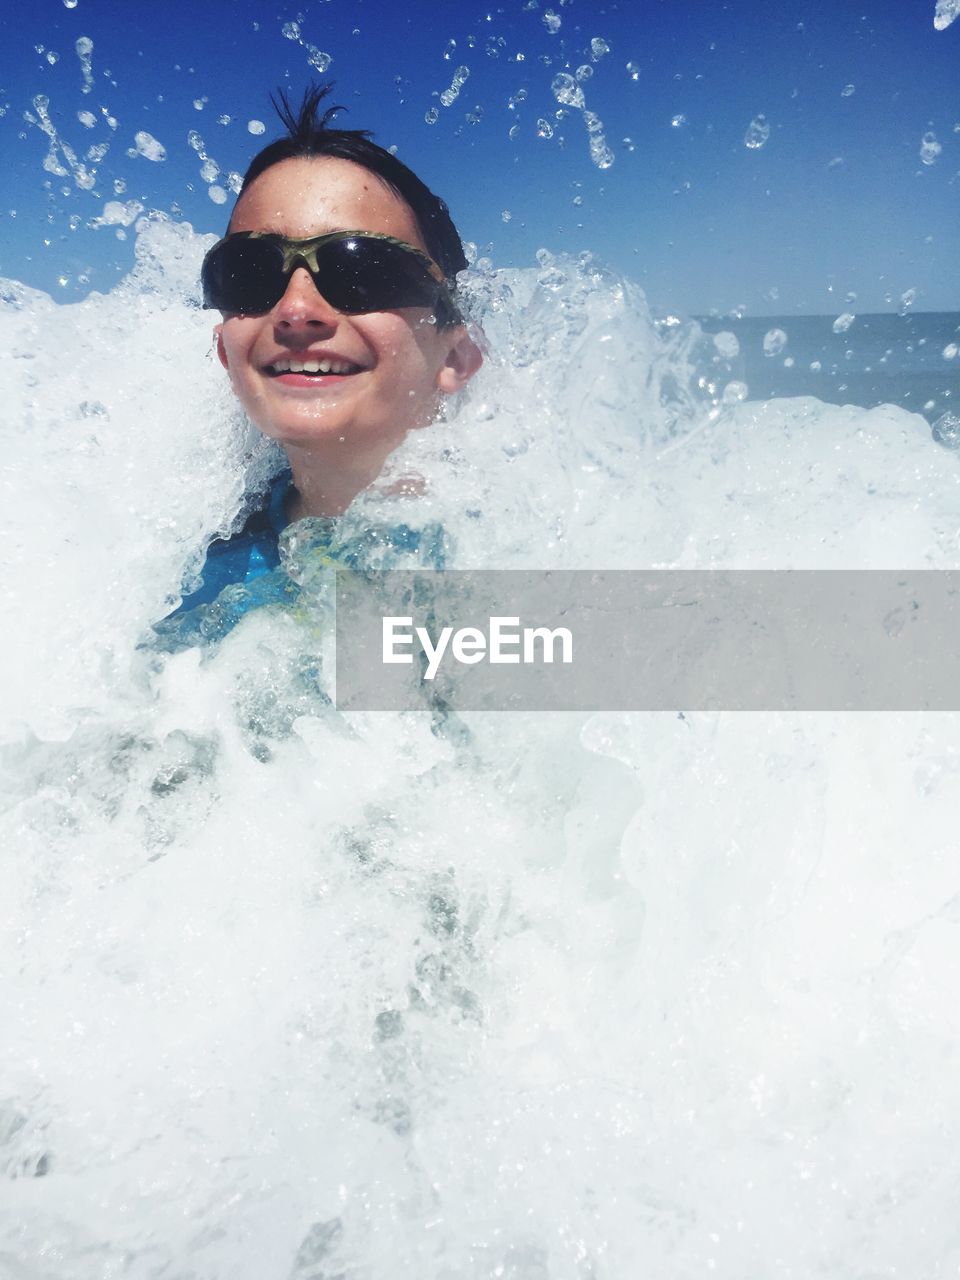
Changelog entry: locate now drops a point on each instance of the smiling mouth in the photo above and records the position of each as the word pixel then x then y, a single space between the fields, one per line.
pixel 315 368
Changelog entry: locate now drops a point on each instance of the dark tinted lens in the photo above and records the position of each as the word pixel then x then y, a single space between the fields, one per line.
pixel 243 275
pixel 358 275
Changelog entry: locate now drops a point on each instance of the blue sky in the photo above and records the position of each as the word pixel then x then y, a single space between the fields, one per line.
pixel 836 201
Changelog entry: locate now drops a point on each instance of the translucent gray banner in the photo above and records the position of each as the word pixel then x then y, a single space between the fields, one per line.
pixel 650 641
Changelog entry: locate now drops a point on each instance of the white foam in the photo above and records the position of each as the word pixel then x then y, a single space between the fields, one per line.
pixel 297 994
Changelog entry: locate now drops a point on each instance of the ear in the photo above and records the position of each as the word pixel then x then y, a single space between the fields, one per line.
pixel 462 361
pixel 221 349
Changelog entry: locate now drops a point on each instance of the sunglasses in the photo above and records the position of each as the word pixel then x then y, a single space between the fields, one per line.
pixel 356 271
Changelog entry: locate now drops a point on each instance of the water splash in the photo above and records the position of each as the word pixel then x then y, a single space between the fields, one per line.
pixel 84 47
pixel 560 997
pixel 567 90
pixel 316 58
pixel 758 131
pixel 61 159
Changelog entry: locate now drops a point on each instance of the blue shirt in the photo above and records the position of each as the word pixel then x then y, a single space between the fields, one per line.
pixel 245 572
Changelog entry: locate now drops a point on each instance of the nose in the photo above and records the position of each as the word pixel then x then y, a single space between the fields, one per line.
pixel 303 306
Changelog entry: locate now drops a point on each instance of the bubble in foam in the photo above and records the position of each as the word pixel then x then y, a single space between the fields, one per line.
pixel 734 392
pixel 84 48
pixel 930 148
pixel 843 322
pixel 146 145
pixel 946 12
pixel 946 430
pixel 256 127
pixel 758 131
pixel 774 340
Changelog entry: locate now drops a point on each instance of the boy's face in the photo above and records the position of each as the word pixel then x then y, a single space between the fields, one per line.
pixel 400 362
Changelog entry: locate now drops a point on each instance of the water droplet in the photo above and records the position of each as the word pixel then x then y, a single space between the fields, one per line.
pixel 598 47
pixel 951 351
pixel 195 141
pixel 815 366
pixel 774 340
pixel 223 119
pixel 633 71
pixel 69 4
pixel 578 200
pixel 947 11
pixel 551 21
pixel 758 131
pixel 119 186
pixel 147 146
pixel 506 215
pixel 87 119
pixel 907 299
pixel 544 129
pixel 217 195
pixel 84 47
pixel 317 59
pixel 514 132
pixel 584 72
pixel 450 50
pixel 930 148
pixel 432 116
pixel 678 121
pixel 209 170
pixel 256 127
pixel 199 103
pixel 629 144
pixel 848 91
pixel 53 58
pixel 291 30
pixel 843 323
pixel 566 90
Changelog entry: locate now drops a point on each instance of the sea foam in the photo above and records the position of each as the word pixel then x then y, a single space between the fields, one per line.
pixel 293 993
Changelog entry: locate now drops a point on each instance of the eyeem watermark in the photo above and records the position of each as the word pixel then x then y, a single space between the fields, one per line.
pixel 747 640
pixel 469 645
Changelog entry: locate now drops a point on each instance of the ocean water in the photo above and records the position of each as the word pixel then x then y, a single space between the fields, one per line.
pixel 908 358
pixel 294 994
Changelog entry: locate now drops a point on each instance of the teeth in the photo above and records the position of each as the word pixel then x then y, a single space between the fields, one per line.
pixel 311 366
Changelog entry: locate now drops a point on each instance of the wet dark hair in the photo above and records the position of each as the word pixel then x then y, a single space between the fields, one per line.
pixel 309 134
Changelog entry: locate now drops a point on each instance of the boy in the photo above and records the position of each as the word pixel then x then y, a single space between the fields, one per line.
pixel 340 330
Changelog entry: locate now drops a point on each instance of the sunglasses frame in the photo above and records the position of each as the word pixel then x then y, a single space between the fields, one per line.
pixel 305 251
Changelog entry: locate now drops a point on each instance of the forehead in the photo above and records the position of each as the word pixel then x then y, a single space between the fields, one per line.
pixel 309 196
